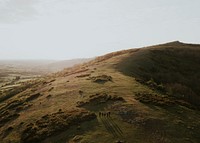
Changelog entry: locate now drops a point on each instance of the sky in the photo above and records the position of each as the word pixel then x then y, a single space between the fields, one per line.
pixel 68 29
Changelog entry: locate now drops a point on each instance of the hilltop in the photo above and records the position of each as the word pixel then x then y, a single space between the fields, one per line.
pixel 142 95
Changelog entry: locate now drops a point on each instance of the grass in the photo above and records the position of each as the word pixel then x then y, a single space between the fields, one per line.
pixel 52 124
pixel 174 65
pixel 131 120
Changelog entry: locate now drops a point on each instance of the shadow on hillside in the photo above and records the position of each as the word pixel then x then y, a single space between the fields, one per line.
pixel 73 132
pixel 111 126
pixel 172 68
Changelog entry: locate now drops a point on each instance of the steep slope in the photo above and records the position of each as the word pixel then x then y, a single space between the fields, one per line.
pixel 101 101
pixel 174 66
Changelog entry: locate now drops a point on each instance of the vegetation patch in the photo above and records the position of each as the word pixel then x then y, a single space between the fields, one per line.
pixel 32 97
pixel 52 124
pixel 7 131
pixel 101 78
pixel 152 84
pixel 99 98
pixel 154 99
pixel 21 103
pixel 128 113
pixel 10 110
pixel 83 75
pixel 15 91
pixel 7 116
pixel 161 100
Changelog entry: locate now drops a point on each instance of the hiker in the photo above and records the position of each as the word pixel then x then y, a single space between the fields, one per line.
pixel 100 114
pixel 109 114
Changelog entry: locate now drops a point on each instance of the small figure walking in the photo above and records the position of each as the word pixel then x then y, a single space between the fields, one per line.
pixel 100 114
pixel 106 114
pixel 109 114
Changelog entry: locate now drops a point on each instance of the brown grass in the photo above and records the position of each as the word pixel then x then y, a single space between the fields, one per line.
pixel 54 123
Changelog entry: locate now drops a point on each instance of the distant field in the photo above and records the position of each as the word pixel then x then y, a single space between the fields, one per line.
pixel 14 77
pixel 14 73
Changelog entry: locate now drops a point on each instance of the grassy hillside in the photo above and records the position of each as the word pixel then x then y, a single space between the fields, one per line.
pixel 15 75
pixel 174 66
pixel 107 100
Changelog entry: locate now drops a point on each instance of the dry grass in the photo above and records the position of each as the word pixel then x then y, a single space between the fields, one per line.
pixel 54 123
pixel 52 114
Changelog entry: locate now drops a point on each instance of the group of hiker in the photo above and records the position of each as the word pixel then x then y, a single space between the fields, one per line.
pixel 104 114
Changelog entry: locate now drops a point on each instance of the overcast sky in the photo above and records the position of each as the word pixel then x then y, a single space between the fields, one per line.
pixel 66 29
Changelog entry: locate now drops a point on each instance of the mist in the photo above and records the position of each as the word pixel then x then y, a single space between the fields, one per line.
pixel 57 29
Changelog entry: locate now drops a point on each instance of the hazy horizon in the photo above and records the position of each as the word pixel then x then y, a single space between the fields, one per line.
pixel 71 29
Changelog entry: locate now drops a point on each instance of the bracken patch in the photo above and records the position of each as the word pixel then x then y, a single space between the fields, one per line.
pixel 54 123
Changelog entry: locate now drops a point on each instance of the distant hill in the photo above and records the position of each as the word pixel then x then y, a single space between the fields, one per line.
pixel 40 66
pixel 140 95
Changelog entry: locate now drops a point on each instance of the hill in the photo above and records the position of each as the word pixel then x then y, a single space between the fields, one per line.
pixel 173 66
pixel 126 96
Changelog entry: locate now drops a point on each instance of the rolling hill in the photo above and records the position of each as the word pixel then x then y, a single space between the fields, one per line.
pixel 143 95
